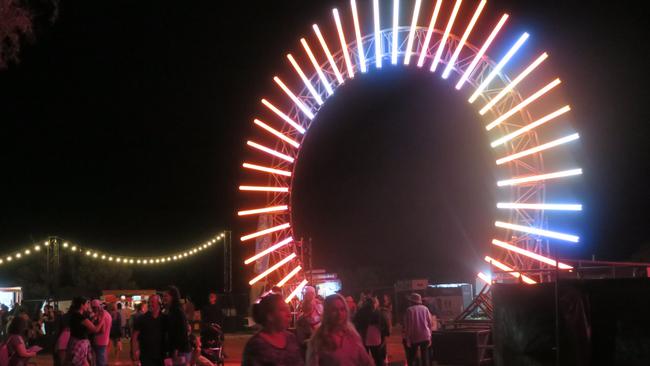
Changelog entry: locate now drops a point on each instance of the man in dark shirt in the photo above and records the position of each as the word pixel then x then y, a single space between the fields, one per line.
pixel 147 340
pixel 212 313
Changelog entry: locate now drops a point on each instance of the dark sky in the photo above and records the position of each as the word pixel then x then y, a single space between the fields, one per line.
pixel 123 129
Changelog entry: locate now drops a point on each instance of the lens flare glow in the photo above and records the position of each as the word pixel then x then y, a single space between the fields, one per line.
pixel 427 39
pixel 540 206
pixel 529 254
pixel 513 83
pixel 485 278
pixel 523 104
pixel 461 43
pixel 305 80
pixel 499 67
pixel 357 31
pixel 510 271
pixel 328 54
pixel 411 38
pixel 276 133
pixel 293 97
pixel 296 291
pixel 265 232
pixel 344 43
pixel 270 151
pixel 378 42
pixel 289 276
pixel 393 58
pixel 271 269
pixel 536 231
pixel 536 178
pixel 264 189
pixel 268 250
pixel 284 117
pixel 445 36
pixel 265 169
pixel 263 210
pixel 539 148
pixel 319 71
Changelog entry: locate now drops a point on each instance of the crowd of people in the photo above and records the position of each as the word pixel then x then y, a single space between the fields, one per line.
pixel 159 332
pixel 336 330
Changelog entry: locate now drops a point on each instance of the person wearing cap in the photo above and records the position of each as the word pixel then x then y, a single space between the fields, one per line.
pixel 101 338
pixel 417 330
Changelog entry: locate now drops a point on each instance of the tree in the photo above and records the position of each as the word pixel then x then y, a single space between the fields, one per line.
pixel 95 275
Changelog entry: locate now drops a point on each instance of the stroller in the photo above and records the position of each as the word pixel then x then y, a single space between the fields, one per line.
pixel 212 343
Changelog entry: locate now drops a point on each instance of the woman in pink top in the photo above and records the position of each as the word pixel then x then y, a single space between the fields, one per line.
pixel 336 342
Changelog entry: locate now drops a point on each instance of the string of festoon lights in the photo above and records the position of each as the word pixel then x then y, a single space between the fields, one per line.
pixel 99 255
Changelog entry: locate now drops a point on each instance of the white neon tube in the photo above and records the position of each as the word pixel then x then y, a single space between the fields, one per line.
pixel 274 267
pixel 531 126
pixel 411 39
pixel 265 169
pixel 357 31
pixel 276 133
pixel 268 250
pixel 378 42
pixel 529 254
pixel 461 43
pixel 284 117
pixel 321 76
pixel 294 98
pixel 425 47
pixel 289 276
pixel 265 232
pixel 305 80
pixel 443 41
pixel 344 43
pixel 539 148
pixel 393 58
pixel 536 178
pixel 296 291
pixel 270 151
pixel 536 231
pixel 328 54
pixel 540 206
pixel 499 67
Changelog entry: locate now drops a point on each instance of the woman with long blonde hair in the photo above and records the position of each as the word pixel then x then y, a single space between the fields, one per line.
pixel 336 342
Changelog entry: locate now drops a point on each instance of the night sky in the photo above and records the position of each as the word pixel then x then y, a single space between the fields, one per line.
pixel 123 129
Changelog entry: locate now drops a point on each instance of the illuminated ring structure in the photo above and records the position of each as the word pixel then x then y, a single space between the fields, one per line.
pixel 523 243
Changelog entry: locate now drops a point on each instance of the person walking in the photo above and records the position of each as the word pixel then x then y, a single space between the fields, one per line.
pixel 125 314
pixel 372 326
pixel 101 339
pixel 116 329
pixel 18 353
pixel 336 342
pixel 148 337
pixel 177 328
pixel 417 331
pixel 78 351
pixel 273 344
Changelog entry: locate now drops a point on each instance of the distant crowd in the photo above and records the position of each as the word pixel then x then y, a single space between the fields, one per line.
pixel 336 330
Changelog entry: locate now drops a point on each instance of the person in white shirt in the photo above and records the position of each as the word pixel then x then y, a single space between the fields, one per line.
pixel 101 339
pixel 417 330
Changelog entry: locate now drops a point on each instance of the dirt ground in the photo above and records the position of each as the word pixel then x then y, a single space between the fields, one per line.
pixel 234 347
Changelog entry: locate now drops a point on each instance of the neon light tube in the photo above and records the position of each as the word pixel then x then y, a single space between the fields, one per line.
pixel 286 118
pixel 264 189
pixel 485 278
pixel 305 80
pixel 529 254
pixel 328 54
pixel 529 127
pixel 523 104
pixel 539 148
pixel 540 206
pixel 536 231
pixel 265 169
pixel 427 39
pixel 443 41
pixel 378 43
pixel 481 52
pixel 344 44
pixel 263 210
pixel 268 250
pixel 294 98
pixel 357 31
pixel 321 76
pixel 393 57
pixel 270 151
pixel 513 83
pixel 503 267
pixel 536 178
pixel 289 276
pixel 499 66
pixel 274 267
pixel 461 44
pixel 411 39
pixel 265 232
pixel 296 291
pixel 276 133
